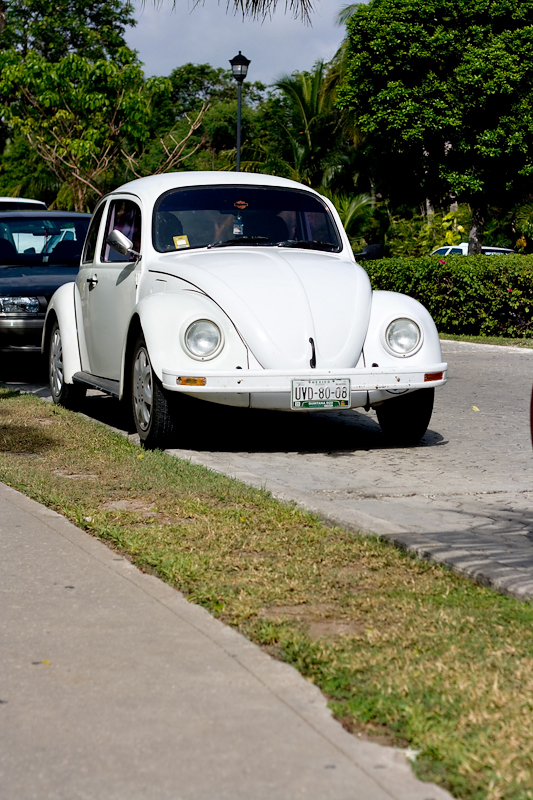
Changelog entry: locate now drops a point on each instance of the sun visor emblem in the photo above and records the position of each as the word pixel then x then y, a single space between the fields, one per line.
pixel 241 204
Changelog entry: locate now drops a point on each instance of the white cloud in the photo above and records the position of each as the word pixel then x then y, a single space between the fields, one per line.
pixel 166 38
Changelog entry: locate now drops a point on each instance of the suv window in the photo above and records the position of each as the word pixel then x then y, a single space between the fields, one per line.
pixel 123 216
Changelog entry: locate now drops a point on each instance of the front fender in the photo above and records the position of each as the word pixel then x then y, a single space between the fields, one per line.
pixel 62 308
pixel 387 306
pixel 164 318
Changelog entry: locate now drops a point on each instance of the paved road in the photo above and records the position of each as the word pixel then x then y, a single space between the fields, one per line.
pixel 463 496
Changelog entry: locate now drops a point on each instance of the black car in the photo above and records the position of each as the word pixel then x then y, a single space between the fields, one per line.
pixel 39 251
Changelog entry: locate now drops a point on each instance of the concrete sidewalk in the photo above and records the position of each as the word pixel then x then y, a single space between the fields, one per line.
pixel 114 687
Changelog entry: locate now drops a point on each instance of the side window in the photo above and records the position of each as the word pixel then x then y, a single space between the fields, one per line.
pixel 124 216
pixel 89 249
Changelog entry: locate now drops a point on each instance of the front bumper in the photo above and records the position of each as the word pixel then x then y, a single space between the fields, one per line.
pixel 368 385
pixel 21 330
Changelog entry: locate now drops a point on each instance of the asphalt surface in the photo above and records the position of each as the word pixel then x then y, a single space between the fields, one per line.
pixel 462 496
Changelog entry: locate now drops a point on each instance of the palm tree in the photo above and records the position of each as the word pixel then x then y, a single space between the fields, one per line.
pixel 312 124
pixel 263 8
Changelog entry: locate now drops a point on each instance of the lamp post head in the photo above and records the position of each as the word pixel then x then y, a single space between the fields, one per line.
pixel 239 66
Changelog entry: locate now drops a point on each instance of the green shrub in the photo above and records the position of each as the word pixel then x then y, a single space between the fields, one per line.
pixel 479 295
pixel 422 234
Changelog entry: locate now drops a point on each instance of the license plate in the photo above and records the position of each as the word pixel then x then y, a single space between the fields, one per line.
pixel 321 393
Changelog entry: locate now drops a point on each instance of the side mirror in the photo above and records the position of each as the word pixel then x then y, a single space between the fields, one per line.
pixel 120 242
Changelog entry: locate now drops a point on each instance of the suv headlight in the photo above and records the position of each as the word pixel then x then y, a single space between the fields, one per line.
pixel 19 305
pixel 203 338
pixel 402 336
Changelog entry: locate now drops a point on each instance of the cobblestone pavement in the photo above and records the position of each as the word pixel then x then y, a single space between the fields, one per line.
pixel 462 497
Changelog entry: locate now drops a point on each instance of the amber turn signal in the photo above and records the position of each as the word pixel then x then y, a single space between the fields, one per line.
pixel 191 381
pixel 433 376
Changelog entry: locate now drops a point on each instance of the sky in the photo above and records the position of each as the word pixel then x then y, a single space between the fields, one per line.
pixel 165 38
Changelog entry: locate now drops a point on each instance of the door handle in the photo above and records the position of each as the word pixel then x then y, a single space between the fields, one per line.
pixel 92 281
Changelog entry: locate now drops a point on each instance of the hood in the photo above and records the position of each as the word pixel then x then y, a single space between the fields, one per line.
pixel 22 280
pixel 278 299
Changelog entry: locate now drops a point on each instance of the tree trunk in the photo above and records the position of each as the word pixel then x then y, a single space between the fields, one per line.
pixel 2 17
pixel 477 229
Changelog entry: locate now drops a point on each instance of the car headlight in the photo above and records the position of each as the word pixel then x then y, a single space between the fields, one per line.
pixel 19 305
pixel 402 336
pixel 203 338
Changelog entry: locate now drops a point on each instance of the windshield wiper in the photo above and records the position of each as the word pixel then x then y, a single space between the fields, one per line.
pixel 240 240
pixel 309 244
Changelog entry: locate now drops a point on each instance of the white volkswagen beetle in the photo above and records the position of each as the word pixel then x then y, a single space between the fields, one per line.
pixel 237 289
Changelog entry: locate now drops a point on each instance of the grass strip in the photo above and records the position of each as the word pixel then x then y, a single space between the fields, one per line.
pixel 503 341
pixel 406 652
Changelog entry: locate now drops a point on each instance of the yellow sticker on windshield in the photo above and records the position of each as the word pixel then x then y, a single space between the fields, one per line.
pixel 181 241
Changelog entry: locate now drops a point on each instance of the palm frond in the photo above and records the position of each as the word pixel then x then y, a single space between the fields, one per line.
pixel 261 9
pixel 346 12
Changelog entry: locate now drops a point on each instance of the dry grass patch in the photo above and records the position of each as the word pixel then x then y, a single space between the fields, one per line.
pixel 406 651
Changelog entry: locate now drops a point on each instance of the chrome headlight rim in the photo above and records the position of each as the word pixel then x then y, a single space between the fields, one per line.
pixel 385 336
pixel 185 339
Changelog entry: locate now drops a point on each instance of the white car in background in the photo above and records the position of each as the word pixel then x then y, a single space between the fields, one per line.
pixel 462 250
pixel 21 204
pixel 241 290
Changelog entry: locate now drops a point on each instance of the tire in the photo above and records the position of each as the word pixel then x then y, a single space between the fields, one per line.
pixel 152 413
pixel 68 395
pixel 405 419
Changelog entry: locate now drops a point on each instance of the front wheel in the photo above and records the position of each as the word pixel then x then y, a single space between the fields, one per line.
pixel 69 395
pixel 405 419
pixel 151 407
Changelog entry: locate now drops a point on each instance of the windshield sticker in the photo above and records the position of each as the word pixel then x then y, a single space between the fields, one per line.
pixel 181 241
pixel 241 204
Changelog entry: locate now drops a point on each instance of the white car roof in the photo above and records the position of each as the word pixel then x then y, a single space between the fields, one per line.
pixel 150 188
pixel 20 200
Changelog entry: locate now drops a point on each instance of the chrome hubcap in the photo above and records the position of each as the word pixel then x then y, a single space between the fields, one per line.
pixel 56 364
pixel 142 389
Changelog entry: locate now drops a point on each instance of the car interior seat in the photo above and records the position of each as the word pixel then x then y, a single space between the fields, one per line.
pixel 260 223
pixel 66 251
pixel 167 226
pixel 8 253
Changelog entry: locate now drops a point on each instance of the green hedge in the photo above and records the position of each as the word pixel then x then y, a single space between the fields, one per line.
pixel 479 295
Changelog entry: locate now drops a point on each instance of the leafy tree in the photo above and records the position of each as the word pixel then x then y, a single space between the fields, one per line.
pixel 302 135
pixel 55 29
pixel 443 93
pixel 80 117
pixel 354 211
pixel 23 173
pixel 195 84
pixel 310 126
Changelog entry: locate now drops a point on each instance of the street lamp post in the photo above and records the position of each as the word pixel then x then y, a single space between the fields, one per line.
pixel 239 66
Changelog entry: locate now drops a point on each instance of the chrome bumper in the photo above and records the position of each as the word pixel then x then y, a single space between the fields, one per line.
pixel 280 381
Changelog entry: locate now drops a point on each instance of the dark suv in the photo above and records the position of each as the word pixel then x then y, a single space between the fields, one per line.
pixel 39 251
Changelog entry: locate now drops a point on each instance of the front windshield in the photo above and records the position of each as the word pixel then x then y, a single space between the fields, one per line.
pixel 215 216
pixel 35 241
